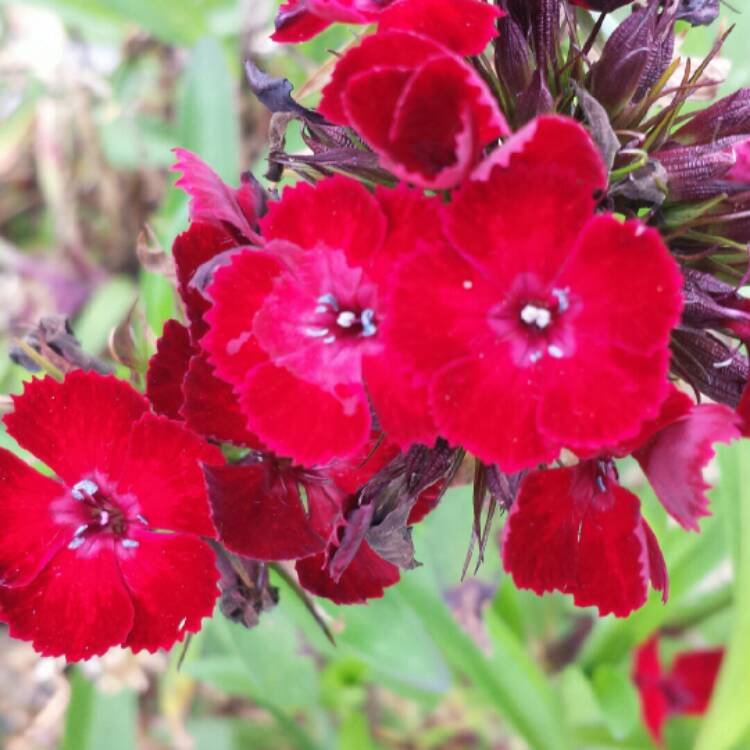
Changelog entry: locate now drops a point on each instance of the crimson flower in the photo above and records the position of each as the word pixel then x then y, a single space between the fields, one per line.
pixel 685 689
pixel 417 104
pixel 258 509
pixel 108 552
pixel 538 325
pixel 295 326
pixel 576 530
pixel 465 26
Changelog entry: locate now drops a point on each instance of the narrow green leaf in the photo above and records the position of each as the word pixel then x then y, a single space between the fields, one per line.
pixel 618 699
pixel 510 681
pixel 728 718
pixel 207 113
pixel 80 713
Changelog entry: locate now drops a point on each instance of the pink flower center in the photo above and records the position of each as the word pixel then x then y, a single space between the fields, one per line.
pixel 101 513
pixel 534 322
pixel 334 323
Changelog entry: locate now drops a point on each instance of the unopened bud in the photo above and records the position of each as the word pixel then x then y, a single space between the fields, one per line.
pixel 729 116
pixel 514 61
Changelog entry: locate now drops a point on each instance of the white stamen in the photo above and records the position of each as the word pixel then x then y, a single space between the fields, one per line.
pixel 563 303
pixel 80 529
pixel 329 339
pixel 130 543
pixel 104 518
pixel 76 543
pixel 535 356
pixel 467 284
pixel 83 488
pixel 316 332
pixel 346 319
pixel 368 322
pixel 537 316
pixel 142 519
pixel 329 300
pixel 555 351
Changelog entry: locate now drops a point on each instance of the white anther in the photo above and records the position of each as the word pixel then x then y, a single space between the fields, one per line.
pixel 534 357
pixel 316 332
pixel 555 351
pixel 130 543
pixel 563 303
pixel 328 300
pixel 77 542
pixel 537 316
pixel 368 322
pixel 83 488
pixel 80 529
pixel 467 284
pixel 346 319
pixel 104 518
pixel 329 339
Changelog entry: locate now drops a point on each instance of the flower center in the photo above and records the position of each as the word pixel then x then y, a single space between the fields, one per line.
pixel 336 323
pixel 539 317
pixel 101 514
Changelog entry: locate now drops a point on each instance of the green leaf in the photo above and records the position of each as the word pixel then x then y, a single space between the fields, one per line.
pixel 207 114
pixel 618 699
pixel 728 719
pixel 510 681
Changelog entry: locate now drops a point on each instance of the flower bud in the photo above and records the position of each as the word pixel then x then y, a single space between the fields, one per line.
pixel 729 116
pixel 634 58
pixel 514 61
pixel 534 101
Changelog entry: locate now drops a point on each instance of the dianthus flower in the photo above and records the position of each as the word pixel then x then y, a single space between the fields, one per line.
pixel 465 26
pixel 576 530
pixel 418 105
pixel 108 552
pixel 539 324
pixel 685 689
pixel 295 325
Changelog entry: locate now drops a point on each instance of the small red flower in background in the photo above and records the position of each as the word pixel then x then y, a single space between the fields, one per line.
pixel 295 326
pixel 576 530
pixel 539 325
pixel 685 689
pixel 417 104
pixel 85 562
pixel 464 26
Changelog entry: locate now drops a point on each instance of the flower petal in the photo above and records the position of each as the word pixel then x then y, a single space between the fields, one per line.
pixel 172 580
pixel 162 469
pixel 77 607
pixel 258 513
pixel 78 426
pixel 30 536
pixel 167 369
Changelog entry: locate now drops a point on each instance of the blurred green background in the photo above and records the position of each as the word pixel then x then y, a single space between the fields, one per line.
pixel 93 95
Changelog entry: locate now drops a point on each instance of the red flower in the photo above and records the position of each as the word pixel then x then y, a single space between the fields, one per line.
pixel 576 530
pixel 295 328
pixel 84 560
pixel 259 513
pixel 419 106
pixel 539 325
pixel 685 689
pixel 465 26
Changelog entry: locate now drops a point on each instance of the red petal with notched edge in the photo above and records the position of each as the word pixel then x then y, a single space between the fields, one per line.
pixel 490 408
pixel 366 577
pixel 674 458
pixel 172 580
pixel 192 249
pixel 78 426
pixel 301 420
pixel 77 607
pixel 338 213
pixel 167 370
pixel 647 676
pixel 211 407
pixel 694 675
pixel 258 512
pixel 656 564
pixel 429 128
pixel 295 23
pixel 30 537
pixel 464 26
pixel 212 200
pixel 634 260
pixel 161 468
pixel 238 291
pixel 395 50
pixel 400 402
pixel 563 533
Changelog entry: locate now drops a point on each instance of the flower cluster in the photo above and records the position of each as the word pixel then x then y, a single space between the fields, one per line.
pixel 515 260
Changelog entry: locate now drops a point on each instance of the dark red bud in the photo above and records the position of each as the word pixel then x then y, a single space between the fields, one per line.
pixel 514 61
pixel 727 117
